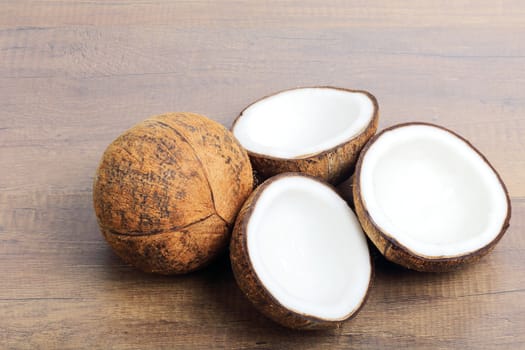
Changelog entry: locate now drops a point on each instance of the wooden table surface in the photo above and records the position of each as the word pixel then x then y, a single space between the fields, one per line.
pixel 73 75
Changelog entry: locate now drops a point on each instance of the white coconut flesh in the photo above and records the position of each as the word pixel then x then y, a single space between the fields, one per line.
pixel 302 122
pixel 308 249
pixel 432 192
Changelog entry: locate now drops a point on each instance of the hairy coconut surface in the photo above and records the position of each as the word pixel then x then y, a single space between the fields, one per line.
pixel 428 199
pixel 299 254
pixel 167 191
pixel 315 130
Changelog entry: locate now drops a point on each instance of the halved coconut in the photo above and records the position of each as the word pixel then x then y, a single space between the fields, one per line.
pixel 317 131
pixel 299 253
pixel 428 199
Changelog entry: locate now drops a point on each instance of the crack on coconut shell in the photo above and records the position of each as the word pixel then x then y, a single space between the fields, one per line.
pixel 399 253
pixel 178 251
pixel 159 231
pixel 216 138
pixel 204 169
pixel 133 190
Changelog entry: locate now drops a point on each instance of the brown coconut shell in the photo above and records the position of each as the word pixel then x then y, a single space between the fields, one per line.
pixel 396 252
pixel 167 191
pixel 251 285
pixel 332 165
pixel 345 190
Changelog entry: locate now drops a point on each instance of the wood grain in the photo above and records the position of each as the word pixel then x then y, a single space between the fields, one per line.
pixel 74 75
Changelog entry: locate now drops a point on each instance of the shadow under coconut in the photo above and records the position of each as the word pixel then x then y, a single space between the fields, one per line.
pixel 397 284
pixel 226 297
pixel 242 320
pixel 442 300
pixel 210 298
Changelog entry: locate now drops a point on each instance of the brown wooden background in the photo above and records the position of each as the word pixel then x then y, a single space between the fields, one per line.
pixel 75 74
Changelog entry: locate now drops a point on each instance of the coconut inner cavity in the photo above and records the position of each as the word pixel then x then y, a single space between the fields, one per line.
pixel 431 191
pixel 301 122
pixel 308 249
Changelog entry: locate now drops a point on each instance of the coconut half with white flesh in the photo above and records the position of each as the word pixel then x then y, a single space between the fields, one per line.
pixel 315 130
pixel 428 199
pixel 299 254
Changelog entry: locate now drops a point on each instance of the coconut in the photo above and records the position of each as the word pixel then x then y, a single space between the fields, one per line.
pixel 317 131
pixel 299 255
pixel 167 191
pixel 428 199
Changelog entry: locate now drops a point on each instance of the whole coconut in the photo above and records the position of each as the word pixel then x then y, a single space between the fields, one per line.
pixel 167 191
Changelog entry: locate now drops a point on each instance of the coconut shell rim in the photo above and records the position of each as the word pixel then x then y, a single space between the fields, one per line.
pixel 394 242
pixel 245 219
pixel 332 149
